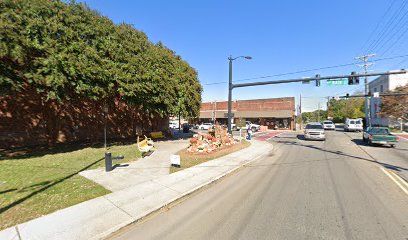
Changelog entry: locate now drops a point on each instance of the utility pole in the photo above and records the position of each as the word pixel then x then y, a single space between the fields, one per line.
pixel 365 65
pixel 300 112
pixel 328 107
pixel 318 112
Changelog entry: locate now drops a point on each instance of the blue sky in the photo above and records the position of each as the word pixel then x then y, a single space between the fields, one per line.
pixel 281 36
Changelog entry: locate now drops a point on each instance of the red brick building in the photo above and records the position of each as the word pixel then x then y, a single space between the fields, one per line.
pixel 276 113
pixel 26 120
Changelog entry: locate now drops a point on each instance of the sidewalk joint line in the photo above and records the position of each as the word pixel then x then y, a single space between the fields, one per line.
pixel 152 180
pixel 118 207
pixel 18 233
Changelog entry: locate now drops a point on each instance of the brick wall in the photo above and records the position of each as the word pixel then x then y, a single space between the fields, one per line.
pixel 27 120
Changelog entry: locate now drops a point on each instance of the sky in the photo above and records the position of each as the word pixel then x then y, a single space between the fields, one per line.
pixel 280 36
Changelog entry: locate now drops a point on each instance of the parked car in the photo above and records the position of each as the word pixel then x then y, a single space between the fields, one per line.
pixel 329 125
pixel 173 125
pixel 379 135
pixel 205 126
pixel 314 131
pixel 187 125
pixel 253 126
pixel 355 125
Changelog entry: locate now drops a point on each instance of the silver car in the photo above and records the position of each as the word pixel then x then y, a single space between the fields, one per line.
pixel 314 131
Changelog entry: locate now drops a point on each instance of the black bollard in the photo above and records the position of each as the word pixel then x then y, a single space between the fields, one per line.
pixel 108 161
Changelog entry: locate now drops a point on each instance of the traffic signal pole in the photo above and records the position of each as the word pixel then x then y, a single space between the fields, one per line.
pixel 318 78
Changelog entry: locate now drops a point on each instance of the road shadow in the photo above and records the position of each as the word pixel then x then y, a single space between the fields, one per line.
pixel 341 153
pixel 362 143
pixel 301 137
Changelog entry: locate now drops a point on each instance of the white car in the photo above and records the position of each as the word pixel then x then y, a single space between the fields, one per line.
pixel 314 131
pixel 355 125
pixel 254 127
pixel 329 125
pixel 205 126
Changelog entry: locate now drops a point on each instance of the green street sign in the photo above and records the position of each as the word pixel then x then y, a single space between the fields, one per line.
pixel 337 82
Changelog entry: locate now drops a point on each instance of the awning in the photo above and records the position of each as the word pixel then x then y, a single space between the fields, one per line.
pixel 210 114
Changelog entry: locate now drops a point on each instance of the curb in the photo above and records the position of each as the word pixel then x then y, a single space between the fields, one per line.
pixel 83 230
pixel 175 201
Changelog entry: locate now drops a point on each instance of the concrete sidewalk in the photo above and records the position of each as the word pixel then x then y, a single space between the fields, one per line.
pixel 100 217
pixel 142 170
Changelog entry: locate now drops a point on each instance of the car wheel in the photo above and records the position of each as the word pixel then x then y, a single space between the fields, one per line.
pixel 253 129
pixel 393 145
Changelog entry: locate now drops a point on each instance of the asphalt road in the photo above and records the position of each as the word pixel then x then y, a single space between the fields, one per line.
pixel 304 190
pixel 392 158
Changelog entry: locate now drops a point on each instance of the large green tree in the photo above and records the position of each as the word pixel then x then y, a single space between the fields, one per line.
pixel 346 108
pixel 66 50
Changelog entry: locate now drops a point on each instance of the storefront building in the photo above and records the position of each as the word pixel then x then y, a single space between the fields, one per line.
pixel 275 113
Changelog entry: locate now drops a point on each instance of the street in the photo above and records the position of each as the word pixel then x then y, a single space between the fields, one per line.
pixel 332 189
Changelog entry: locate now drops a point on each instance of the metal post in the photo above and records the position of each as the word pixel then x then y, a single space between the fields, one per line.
pixel 105 123
pixel 230 96
pixel 300 111
pixel 108 161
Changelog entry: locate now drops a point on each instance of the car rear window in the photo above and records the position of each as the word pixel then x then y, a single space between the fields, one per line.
pixel 314 126
pixel 382 131
pixel 358 122
pixel 328 122
pixel 352 122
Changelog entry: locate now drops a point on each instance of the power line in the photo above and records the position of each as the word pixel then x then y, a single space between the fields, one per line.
pixel 388 40
pixel 387 27
pixel 378 24
pixel 398 39
pixel 309 70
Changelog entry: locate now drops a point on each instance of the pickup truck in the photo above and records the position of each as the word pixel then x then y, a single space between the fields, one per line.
pixel 254 127
pixel 379 135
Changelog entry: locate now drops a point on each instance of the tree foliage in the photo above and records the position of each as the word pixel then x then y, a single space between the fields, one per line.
pixel 346 108
pixel 395 106
pixel 66 50
pixel 315 116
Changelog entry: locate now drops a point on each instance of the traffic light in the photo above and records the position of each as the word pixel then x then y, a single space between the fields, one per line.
pixel 356 80
pixel 317 80
pixel 352 80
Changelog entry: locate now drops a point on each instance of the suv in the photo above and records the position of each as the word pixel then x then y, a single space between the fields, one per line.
pixel 353 125
pixel 314 131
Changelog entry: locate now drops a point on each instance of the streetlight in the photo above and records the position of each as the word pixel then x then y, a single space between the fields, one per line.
pixel 230 58
pixel 105 113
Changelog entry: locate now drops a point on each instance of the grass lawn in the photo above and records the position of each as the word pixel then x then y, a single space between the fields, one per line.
pixel 36 183
pixel 191 159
